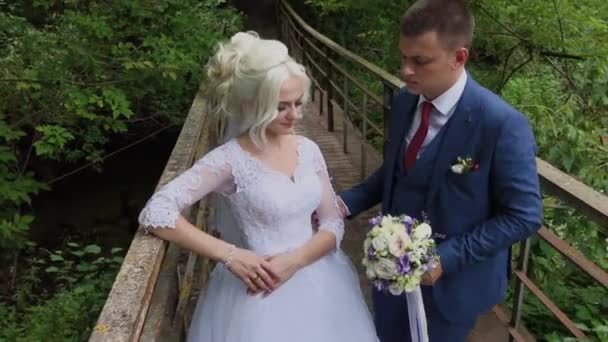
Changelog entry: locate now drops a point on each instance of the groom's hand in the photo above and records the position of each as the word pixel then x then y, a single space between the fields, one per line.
pixel 431 276
pixel 343 208
pixel 314 218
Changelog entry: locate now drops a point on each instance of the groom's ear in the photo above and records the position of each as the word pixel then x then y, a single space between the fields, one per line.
pixel 461 56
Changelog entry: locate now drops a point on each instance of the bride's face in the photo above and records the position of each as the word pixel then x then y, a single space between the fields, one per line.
pixel 290 104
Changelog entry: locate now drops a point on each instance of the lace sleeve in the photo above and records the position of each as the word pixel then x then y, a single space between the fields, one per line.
pixel 330 218
pixel 212 173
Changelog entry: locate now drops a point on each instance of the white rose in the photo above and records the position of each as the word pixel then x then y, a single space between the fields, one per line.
pixel 366 244
pixel 395 289
pixel 422 232
pixel 365 262
pixel 386 220
pixel 385 269
pixel 375 232
pixel 458 168
pixel 380 243
pixel 396 245
pixel 370 273
pixel 405 238
pixel 388 228
pixel 397 227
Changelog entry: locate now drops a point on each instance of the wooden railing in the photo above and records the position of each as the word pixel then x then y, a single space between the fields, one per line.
pixel 150 299
pixel 330 67
pixel 329 64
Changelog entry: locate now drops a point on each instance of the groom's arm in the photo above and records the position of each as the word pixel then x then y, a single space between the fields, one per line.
pixel 516 200
pixel 369 193
pixel 364 195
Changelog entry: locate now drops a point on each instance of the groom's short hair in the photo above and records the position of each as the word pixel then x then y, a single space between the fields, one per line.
pixel 451 19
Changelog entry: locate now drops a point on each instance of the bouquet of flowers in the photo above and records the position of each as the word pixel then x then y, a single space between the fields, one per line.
pixel 398 251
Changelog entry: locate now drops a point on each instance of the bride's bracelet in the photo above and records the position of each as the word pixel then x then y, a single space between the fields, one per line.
pixel 228 260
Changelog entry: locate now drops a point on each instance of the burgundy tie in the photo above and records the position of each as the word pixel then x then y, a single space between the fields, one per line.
pixel 418 139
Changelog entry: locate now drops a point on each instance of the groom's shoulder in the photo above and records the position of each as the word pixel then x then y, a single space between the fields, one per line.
pixel 494 109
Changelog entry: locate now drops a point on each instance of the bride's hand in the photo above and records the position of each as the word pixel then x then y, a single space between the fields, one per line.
pixel 283 267
pixel 253 270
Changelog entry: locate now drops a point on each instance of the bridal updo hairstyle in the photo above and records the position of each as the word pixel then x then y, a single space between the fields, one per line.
pixel 244 78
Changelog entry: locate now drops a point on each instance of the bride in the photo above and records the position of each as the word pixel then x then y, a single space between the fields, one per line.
pixel 284 281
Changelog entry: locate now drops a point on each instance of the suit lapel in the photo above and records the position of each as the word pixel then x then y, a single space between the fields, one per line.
pixel 458 135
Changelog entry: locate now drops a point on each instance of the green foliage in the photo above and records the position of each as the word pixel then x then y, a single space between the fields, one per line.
pixel 13 232
pixel 547 59
pixel 64 307
pixel 61 318
pixel 76 76
pixel 77 264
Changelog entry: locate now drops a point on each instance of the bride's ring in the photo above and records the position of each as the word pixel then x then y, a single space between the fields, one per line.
pixel 256 276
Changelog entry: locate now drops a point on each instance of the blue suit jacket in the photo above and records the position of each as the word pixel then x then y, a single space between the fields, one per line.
pixel 476 216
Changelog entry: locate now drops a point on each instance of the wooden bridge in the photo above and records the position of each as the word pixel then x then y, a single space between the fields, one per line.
pixel 158 284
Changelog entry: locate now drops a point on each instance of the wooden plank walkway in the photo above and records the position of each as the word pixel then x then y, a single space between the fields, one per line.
pixel 345 171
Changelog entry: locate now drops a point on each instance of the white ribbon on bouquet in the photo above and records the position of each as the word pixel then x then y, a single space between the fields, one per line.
pixel 417 316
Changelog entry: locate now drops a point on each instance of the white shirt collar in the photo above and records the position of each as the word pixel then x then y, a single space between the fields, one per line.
pixel 446 101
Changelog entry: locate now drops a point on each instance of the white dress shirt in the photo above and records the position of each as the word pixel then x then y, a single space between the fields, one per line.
pixel 443 108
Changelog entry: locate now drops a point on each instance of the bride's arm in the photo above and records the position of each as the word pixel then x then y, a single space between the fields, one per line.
pixel 331 225
pixel 162 217
pixel 243 263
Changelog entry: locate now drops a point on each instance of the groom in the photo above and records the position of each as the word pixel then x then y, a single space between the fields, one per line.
pixel 478 207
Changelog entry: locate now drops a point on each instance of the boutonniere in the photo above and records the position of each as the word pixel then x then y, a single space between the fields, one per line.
pixel 464 165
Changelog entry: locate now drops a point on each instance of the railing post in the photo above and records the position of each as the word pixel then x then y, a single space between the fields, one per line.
pixel 518 298
pixel 364 138
pixel 388 100
pixel 288 35
pixel 310 70
pixel 301 48
pixel 329 89
pixel 321 99
pixel 345 115
pixel 278 16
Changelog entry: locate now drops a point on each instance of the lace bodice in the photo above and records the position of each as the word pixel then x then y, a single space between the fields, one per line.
pixel 273 211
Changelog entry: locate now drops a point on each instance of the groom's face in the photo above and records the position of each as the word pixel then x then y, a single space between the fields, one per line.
pixel 427 66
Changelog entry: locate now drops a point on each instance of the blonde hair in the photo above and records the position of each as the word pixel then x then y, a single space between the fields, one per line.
pixel 244 78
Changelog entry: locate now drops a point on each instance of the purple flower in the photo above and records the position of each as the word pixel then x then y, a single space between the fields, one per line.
pixel 374 221
pixel 403 265
pixel 371 253
pixel 428 263
pixel 382 285
pixel 408 222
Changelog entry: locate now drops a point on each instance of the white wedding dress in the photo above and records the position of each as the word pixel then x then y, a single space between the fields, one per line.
pixel 321 302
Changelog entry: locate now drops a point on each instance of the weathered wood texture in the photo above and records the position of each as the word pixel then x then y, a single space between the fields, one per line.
pixel 124 313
